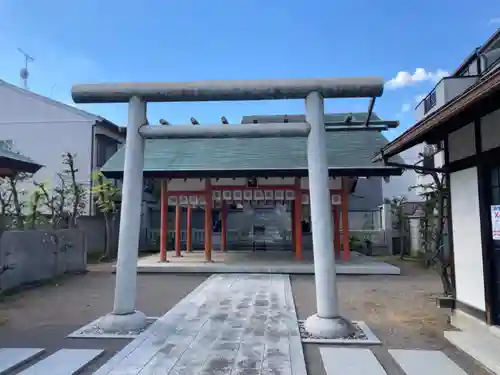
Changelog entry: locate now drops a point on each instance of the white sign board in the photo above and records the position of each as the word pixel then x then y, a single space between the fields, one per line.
pixel 495 222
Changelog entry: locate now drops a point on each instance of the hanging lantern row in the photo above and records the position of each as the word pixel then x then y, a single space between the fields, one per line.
pixel 235 196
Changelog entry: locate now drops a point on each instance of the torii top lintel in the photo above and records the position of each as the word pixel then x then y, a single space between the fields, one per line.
pixel 356 87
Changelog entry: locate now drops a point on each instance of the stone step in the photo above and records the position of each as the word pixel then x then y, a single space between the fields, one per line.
pixel 11 358
pixel 350 361
pixel 63 362
pixel 356 361
pixel 425 362
pixel 483 347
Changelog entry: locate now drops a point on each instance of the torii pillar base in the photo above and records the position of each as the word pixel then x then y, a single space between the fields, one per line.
pixel 331 328
pixel 114 323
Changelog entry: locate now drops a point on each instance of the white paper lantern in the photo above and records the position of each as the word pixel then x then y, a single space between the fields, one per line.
pixel 336 199
pixel 305 198
pixel 227 195
pixel 193 200
pixel 237 195
pixel 258 195
pixel 269 195
pixel 279 195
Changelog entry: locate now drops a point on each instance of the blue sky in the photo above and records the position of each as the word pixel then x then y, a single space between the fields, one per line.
pixel 160 40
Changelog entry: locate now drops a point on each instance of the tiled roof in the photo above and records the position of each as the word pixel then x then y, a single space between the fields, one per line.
pixel 16 162
pixel 345 150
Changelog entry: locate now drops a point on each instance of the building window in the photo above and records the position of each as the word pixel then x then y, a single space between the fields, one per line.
pixel 106 147
pixel 428 154
pixel 430 101
pixel 465 72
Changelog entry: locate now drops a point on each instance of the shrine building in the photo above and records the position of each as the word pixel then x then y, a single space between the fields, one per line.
pixel 12 163
pixel 225 175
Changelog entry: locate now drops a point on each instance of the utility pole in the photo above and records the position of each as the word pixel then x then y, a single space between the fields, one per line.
pixel 24 73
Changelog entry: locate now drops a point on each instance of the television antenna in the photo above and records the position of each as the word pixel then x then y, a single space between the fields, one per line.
pixel 24 73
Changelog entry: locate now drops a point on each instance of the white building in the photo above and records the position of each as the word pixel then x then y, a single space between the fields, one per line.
pixel 45 129
pixel 462 117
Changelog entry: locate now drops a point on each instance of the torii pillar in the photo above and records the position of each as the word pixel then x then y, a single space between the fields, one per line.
pixel 326 322
pixel 124 316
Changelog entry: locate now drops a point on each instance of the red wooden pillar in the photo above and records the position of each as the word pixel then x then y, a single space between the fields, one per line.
pixel 345 219
pixel 223 230
pixel 292 214
pixel 189 233
pixel 178 214
pixel 336 230
pixel 298 220
pixel 208 220
pixel 163 220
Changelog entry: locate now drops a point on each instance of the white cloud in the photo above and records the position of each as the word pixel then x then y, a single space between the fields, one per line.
pixel 403 79
pixel 494 20
pixel 419 98
pixel 405 107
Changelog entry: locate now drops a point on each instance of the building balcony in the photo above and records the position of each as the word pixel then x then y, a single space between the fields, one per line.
pixel 446 90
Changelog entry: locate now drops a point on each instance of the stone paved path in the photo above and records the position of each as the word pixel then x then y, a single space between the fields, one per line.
pixel 230 324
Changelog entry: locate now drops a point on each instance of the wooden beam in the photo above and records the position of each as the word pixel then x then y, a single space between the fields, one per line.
pixel 345 220
pixel 298 220
pixel 294 229
pixel 178 215
pixel 336 230
pixel 163 221
pixel 189 234
pixel 223 234
pixel 186 193
pixel 208 221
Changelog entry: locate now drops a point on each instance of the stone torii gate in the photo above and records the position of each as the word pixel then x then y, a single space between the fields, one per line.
pixel 326 322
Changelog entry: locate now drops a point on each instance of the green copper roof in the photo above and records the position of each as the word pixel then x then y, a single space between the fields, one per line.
pixel 346 150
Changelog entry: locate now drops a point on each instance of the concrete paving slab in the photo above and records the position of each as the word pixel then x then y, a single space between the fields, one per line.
pixel 350 361
pixel 230 324
pixel 260 262
pixel 427 362
pixel 11 358
pixel 63 362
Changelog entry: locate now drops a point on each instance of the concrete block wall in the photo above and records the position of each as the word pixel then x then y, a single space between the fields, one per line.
pixel 94 228
pixel 36 255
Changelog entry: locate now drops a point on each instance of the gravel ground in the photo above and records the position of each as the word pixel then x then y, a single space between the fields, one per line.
pixel 400 310
pixel 42 317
